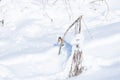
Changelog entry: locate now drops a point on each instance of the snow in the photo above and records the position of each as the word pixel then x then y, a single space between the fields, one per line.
pixel 31 29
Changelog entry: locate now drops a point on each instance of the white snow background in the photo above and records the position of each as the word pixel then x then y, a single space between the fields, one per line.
pixel 31 29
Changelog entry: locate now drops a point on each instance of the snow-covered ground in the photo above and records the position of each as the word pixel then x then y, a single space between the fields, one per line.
pixel 28 39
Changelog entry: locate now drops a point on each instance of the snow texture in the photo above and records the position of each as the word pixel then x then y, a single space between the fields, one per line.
pixel 28 39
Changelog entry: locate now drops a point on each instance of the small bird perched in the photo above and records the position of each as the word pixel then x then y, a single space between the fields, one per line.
pixel 60 41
